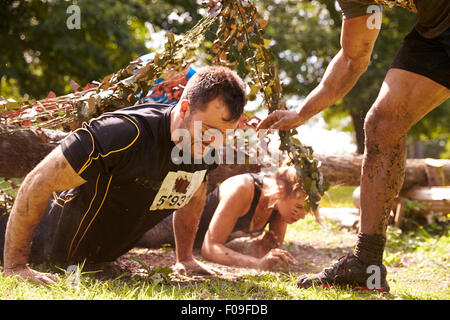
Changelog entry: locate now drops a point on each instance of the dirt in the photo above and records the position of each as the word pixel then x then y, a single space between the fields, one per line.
pixel 313 251
pixel 311 256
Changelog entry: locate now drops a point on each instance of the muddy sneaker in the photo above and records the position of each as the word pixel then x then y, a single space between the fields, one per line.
pixel 348 271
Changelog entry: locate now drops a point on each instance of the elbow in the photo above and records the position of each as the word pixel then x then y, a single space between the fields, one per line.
pixel 210 250
pixel 357 65
pixel 206 250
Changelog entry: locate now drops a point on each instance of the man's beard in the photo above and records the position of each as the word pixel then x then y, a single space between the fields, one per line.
pixel 195 148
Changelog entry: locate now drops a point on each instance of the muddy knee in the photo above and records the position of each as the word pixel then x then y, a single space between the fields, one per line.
pixel 384 130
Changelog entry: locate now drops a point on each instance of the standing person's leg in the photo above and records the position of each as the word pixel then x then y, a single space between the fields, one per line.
pixel 404 98
pixel 418 81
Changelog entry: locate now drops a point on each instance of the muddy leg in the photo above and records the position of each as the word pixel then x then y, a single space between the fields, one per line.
pixel 403 100
pixel 381 180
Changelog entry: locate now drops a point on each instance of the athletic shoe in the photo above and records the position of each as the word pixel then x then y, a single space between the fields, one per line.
pixel 348 271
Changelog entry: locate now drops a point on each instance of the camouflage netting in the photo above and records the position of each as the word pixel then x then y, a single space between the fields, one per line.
pixel 162 79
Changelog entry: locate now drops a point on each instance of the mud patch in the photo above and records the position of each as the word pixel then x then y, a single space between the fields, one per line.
pixel 311 257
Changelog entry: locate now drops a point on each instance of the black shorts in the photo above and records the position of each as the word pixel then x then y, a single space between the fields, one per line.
pixel 40 246
pixel 427 57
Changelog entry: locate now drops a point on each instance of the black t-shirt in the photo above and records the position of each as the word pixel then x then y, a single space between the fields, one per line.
pixel 433 15
pixel 132 184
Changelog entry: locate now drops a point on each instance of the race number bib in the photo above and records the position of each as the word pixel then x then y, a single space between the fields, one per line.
pixel 177 189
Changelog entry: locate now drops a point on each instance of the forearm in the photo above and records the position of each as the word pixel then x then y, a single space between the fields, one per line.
pixel 272 239
pixel 185 224
pixel 28 209
pixel 219 253
pixel 184 237
pixel 339 78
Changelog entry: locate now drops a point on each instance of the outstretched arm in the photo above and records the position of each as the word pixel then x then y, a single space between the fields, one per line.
pixel 185 224
pixel 352 60
pixel 54 173
pixel 236 197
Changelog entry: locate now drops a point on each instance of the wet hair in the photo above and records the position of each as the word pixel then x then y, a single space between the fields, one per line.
pixel 288 178
pixel 216 82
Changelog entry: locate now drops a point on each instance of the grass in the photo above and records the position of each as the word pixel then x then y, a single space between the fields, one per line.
pixel 417 262
pixel 338 197
pixel 266 287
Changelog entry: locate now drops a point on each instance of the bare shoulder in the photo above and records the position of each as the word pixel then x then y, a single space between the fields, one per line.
pixel 239 187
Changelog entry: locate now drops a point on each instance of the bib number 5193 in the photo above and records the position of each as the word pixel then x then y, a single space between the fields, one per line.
pixel 177 189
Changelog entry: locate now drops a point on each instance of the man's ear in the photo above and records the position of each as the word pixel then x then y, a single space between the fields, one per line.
pixel 184 109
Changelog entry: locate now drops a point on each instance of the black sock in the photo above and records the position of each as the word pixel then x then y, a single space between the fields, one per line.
pixel 369 248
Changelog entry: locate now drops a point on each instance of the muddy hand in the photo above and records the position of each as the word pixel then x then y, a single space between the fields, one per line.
pixel 26 273
pixel 276 257
pixel 281 120
pixel 270 240
pixel 262 246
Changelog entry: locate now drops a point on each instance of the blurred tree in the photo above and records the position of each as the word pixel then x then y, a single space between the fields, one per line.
pixel 306 38
pixel 40 53
pixel 396 24
pixel 446 153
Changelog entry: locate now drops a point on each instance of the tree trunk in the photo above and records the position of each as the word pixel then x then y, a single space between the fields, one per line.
pixel 415 149
pixel 22 150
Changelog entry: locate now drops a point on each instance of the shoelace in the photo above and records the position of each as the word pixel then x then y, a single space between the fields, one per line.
pixel 336 269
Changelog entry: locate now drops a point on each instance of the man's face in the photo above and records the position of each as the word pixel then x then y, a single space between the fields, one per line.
pixel 208 128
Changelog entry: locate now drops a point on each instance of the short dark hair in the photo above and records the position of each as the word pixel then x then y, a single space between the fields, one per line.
pixel 216 82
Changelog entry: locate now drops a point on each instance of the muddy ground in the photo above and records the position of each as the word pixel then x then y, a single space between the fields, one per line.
pixel 313 250
pixel 311 256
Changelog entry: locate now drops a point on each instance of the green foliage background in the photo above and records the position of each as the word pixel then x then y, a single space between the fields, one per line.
pixel 38 53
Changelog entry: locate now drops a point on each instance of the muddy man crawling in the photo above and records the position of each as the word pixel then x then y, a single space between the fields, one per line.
pixel 95 195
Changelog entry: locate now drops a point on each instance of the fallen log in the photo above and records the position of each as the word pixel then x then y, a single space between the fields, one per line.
pixel 436 199
pixel 346 170
pixel 418 200
pixel 21 150
pixel 344 217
